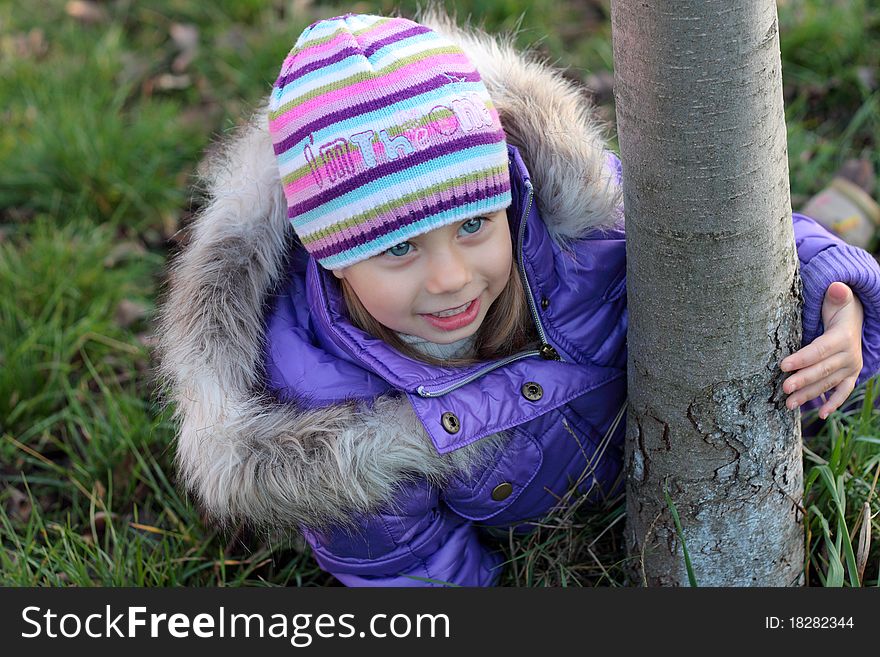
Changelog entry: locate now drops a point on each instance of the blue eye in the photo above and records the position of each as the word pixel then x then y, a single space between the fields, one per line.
pixel 471 226
pixel 399 249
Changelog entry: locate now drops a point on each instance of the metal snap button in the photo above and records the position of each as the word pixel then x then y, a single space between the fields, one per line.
pixel 532 391
pixel 502 491
pixel 450 422
pixel 545 303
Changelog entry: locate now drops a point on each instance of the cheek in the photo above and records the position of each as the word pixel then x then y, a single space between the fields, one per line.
pixel 385 298
pixel 498 264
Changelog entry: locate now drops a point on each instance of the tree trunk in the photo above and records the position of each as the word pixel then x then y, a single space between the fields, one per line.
pixel 713 291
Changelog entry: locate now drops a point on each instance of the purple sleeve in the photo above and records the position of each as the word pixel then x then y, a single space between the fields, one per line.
pixel 421 542
pixel 825 258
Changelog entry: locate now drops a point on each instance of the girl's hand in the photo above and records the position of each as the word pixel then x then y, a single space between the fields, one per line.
pixel 834 359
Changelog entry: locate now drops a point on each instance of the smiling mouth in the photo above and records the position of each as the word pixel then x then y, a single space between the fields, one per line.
pixel 453 311
pixel 453 319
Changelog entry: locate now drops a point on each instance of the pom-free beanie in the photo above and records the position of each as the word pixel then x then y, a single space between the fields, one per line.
pixel 383 130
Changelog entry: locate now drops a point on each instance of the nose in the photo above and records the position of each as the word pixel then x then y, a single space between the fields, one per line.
pixel 448 272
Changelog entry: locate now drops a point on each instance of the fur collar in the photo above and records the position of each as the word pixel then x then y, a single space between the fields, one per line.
pixel 246 456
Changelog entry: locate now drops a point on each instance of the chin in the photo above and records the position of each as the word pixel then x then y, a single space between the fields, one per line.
pixel 449 337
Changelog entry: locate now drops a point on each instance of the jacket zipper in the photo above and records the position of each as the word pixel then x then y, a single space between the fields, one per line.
pixel 422 392
pixel 545 351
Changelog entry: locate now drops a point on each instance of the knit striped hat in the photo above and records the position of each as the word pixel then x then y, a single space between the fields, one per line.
pixel 383 130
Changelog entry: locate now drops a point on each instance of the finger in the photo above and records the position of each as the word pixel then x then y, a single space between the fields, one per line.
pixel 817 372
pixel 814 390
pixel 841 394
pixel 837 296
pixel 838 292
pixel 825 346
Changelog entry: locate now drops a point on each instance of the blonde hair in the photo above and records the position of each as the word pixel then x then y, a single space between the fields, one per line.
pixel 507 328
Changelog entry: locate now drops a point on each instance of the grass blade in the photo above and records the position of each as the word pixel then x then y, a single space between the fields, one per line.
pixel 678 530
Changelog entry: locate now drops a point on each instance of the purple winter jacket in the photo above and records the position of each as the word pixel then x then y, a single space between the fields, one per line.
pixel 570 430
pixel 290 417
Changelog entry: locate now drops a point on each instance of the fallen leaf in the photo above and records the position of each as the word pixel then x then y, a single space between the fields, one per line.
pixel 867 76
pixel 153 237
pixel 169 82
pixel 18 505
pixel 123 251
pixel 864 542
pixel 86 11
pixel 32 45
pixel 128 312
pixel 205 113
pixel 186 38
pixel 185 35
pixel 601 86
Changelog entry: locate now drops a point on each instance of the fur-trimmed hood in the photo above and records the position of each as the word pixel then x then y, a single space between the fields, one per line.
pixel 247 456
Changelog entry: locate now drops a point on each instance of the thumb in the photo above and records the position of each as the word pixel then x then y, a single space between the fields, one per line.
pixel 837 296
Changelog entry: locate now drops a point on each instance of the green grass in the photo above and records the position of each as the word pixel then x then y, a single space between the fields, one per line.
pixel 830 67
pixel 80 139
pixel 840 478
pixel 103 125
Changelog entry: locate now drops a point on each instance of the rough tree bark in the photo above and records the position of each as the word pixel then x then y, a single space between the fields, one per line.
pixel 713 292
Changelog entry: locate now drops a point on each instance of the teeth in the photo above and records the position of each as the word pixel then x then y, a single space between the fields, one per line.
pixel 454 311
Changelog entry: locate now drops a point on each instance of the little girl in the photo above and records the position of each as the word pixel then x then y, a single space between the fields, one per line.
pixel 439 344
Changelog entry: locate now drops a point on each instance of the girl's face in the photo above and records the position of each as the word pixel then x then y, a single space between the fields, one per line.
pixel 437 286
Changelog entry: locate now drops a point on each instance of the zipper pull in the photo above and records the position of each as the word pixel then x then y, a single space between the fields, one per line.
pixel 548 353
